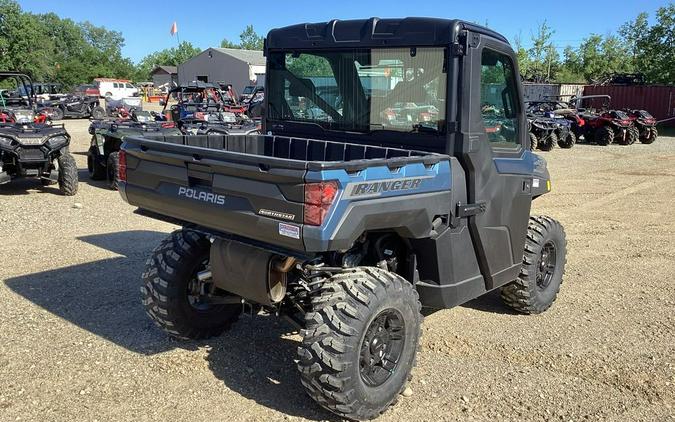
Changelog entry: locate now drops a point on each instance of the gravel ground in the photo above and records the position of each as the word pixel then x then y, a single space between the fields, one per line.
pixel 75 344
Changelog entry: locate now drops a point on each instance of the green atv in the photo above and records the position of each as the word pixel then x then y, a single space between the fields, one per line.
pixel 107 137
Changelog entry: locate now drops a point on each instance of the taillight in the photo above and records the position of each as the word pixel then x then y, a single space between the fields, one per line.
pixel 425 116
pixel 122 166
pixel 318 199
pixel 389 114
pixel 168 125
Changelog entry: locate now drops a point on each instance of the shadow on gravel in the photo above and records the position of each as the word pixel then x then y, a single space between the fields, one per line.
pixel 102 297
pixel 256 360
pixel 490 302
pixel 83 177
pixel 23 186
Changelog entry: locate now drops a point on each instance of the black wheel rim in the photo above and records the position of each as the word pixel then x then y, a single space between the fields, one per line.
pixel 546 265
pixel 382 347
pixel 198 290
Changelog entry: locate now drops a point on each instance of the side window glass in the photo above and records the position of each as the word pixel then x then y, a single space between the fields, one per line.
pixel 500 109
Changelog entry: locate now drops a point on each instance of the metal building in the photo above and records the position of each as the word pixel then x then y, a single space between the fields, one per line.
pixel 225 65
pixel 164 76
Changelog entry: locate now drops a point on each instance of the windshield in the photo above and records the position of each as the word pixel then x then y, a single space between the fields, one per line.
pixel 400 89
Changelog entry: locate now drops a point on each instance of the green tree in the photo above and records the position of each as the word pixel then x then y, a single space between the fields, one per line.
pixel 656 52
pixel 225 43
pixel 168 57
pixel 248 40
pixel 541 52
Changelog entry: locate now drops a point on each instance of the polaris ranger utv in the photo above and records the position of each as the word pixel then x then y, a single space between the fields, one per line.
pixel 348 222
pixel 29 147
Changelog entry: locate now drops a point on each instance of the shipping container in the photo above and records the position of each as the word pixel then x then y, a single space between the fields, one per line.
pixel 658 100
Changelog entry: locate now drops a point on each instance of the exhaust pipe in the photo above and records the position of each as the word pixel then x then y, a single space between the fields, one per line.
pixel 252 273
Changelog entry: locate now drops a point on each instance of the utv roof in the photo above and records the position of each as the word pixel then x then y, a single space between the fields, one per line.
pixel 373 32
pixel 194 86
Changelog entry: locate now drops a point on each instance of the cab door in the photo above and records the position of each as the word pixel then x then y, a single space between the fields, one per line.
pixel 493 149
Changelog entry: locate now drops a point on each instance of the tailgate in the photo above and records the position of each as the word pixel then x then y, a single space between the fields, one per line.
pixel 241 193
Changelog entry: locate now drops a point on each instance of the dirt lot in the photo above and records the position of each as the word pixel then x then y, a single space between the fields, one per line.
pixel 75 344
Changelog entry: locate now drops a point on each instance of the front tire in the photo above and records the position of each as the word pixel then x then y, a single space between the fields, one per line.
pixel 112 165
pixel 67 174
pixel 360 342
pixel 604 136
pixel 533 141
pixel 650 135
pixel 548 143
pixel 568 141
pixel 94 166
pixel 168 289
pixel 632 135
pixel 537 286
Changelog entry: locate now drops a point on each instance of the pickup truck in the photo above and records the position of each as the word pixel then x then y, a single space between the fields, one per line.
pixel 347 217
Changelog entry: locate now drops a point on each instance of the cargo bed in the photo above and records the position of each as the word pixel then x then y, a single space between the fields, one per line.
pixel 246 185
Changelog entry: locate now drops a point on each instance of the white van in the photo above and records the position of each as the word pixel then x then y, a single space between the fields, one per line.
pixel 116 89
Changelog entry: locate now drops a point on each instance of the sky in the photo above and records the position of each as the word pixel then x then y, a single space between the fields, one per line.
pixel 145 24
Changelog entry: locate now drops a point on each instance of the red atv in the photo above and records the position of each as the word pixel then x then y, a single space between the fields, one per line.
pixel 645 124
pixel 604 126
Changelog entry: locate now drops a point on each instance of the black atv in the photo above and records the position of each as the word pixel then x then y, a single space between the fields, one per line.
pixel 30 149
pixel 545 132
pixel 566 119
pixel 107 137
pixel 75 106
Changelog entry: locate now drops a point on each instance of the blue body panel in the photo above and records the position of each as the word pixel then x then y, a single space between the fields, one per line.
pixel 435 178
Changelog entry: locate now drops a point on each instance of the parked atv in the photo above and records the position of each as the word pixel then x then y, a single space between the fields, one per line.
pixel 30 149
pixel 123 107
pixel 108 135
pixel 543 132
pixel 645 124
pixel 75 106
pixel 604 126
pixel 569 121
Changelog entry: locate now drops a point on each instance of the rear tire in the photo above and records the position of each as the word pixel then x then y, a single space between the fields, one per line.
pixel 94 166
pixel 166 284
pixel 533 141
pixel 651 135
pixel 67 174
pixel 112 165
pixel 537 286
pixel 568 141
pixel 604 136
pixel 360 342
